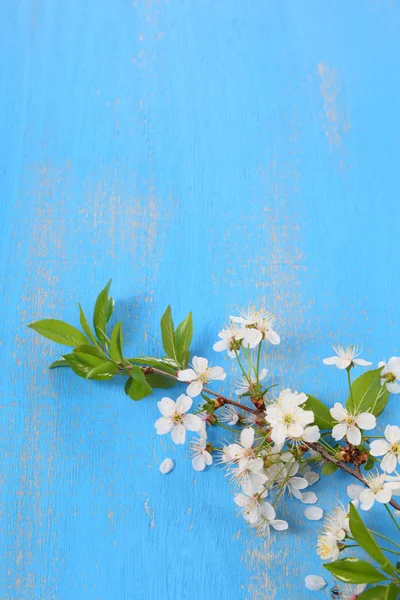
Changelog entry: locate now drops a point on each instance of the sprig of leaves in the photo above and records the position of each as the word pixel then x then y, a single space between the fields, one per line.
pixel 97 355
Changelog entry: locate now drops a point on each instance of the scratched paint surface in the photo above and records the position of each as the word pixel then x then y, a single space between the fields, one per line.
pixel 203 154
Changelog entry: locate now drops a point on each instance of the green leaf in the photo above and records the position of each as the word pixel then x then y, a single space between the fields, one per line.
pixel 59 332
pixel 100 314
pixel 136 386
pixel 116 342
pixel 370 463
pixel 59 363
pixel 155 380
pixel 183 339
pixel 392 593
pixel 354 570
pixel 89 362
pixel 164 364
pixel 366 540
pixel 86 327
pixel 329 468
pixel 322 416
pixel 365 390
pixel 110 308
pixel 168 335
pixel 376 593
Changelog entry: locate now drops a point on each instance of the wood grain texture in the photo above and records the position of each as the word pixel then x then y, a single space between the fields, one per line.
pixel 204 154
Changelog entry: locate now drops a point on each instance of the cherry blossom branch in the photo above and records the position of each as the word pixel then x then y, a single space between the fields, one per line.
pixel 341 465
pixel 223 400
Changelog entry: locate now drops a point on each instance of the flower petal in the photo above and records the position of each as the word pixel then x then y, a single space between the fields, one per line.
pixel 200 364
pixel 279 524
pixel 379 447
pixel 183 404
pixel 187 375
pixel 247 437
pixel 367 499
pixel 273 337
pixel 198 462
pixel 339 431
pixel 389 462
pixel 221 345
pixel 338 412
pixel 392 433
pixel 251 338
pixel 268 511
pixel 192 422
pixel 194 389
pixel 314 513
pixel 315 583
pixel 163 425
pixel 166 466
pixel 394 387
pixel 361 362
pixel 167 407
pixel 353 435
pixel 216 373
pixel 178 434
pixel 366 420
pixel 309 498
pixel 354 490
pixel 384 496
pixel 333 360
pixel 311 477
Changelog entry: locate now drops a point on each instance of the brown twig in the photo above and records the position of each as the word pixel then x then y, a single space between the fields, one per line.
pixel 341 465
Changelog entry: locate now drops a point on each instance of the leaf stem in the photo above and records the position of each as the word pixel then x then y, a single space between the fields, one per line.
pixel 392 517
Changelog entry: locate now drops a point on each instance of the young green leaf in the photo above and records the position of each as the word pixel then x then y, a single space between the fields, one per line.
pixel 183 339
pixel 376 593
pixel 329 468
pixel 100 314
pixel 59 332
pixel 370 463
pixel 59 363
pixel 367 542
pixel 116 342
pixel 155 380
pixel 136 386
pixel 354 570
pixel 365 392
pixel 110 308
pixel 323 417
pixel 168 335
pixel 86 327
pixel 392 592
pixel 90 362
pixel 164 364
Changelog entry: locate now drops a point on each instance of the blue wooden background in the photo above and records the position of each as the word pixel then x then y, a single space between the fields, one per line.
pixel 205 154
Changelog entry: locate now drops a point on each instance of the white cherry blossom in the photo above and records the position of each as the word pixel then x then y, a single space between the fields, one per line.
pixel 249 501
pixel 380 488
pixel 257 325
pixel 200 455
pixel 267 519
pixel 389 448
pixel 175 420
pixel 228 414
pixel 328 547
pixel 390 374
pixel 245 467
pixel 230 339
pixel 349 424
pixel 346 357
pixel 287 418
pixel 199 375
pixel 243 383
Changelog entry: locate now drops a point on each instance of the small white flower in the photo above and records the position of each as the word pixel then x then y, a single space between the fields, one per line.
pixel 267 520
pixel 175 420
pixel 287 418
pixel 314 513
pixel 390 448
pixel 310 434
pixel 249 502
pixel 243 383
pixel 228 414
pixel 200 455
pixel 249 468
pixel 352 592
pixel 390 374
pixel 380 488
pixel 349 424
pixel 328 547
pixel 257 325
pixel 336 523
pixel 230 339
pixel 286 478
pixel 200 374
pixel 346 357
pixel 315 583
pixel 166 466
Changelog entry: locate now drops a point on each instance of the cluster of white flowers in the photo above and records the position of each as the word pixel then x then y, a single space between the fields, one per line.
pixel 248 329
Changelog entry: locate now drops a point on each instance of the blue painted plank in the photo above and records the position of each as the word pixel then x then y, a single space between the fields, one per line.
pixel 207 155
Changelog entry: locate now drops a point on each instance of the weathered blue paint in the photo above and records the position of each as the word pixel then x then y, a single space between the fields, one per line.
pixel 207 155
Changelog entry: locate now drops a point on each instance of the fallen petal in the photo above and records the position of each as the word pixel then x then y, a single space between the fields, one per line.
pixel 314 513
pixel 315 583
pixel 166 466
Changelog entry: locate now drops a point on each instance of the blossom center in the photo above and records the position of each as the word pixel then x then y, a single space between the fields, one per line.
pixel 177 418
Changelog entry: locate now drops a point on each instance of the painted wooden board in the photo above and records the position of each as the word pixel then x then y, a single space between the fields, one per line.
pixel 209 155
